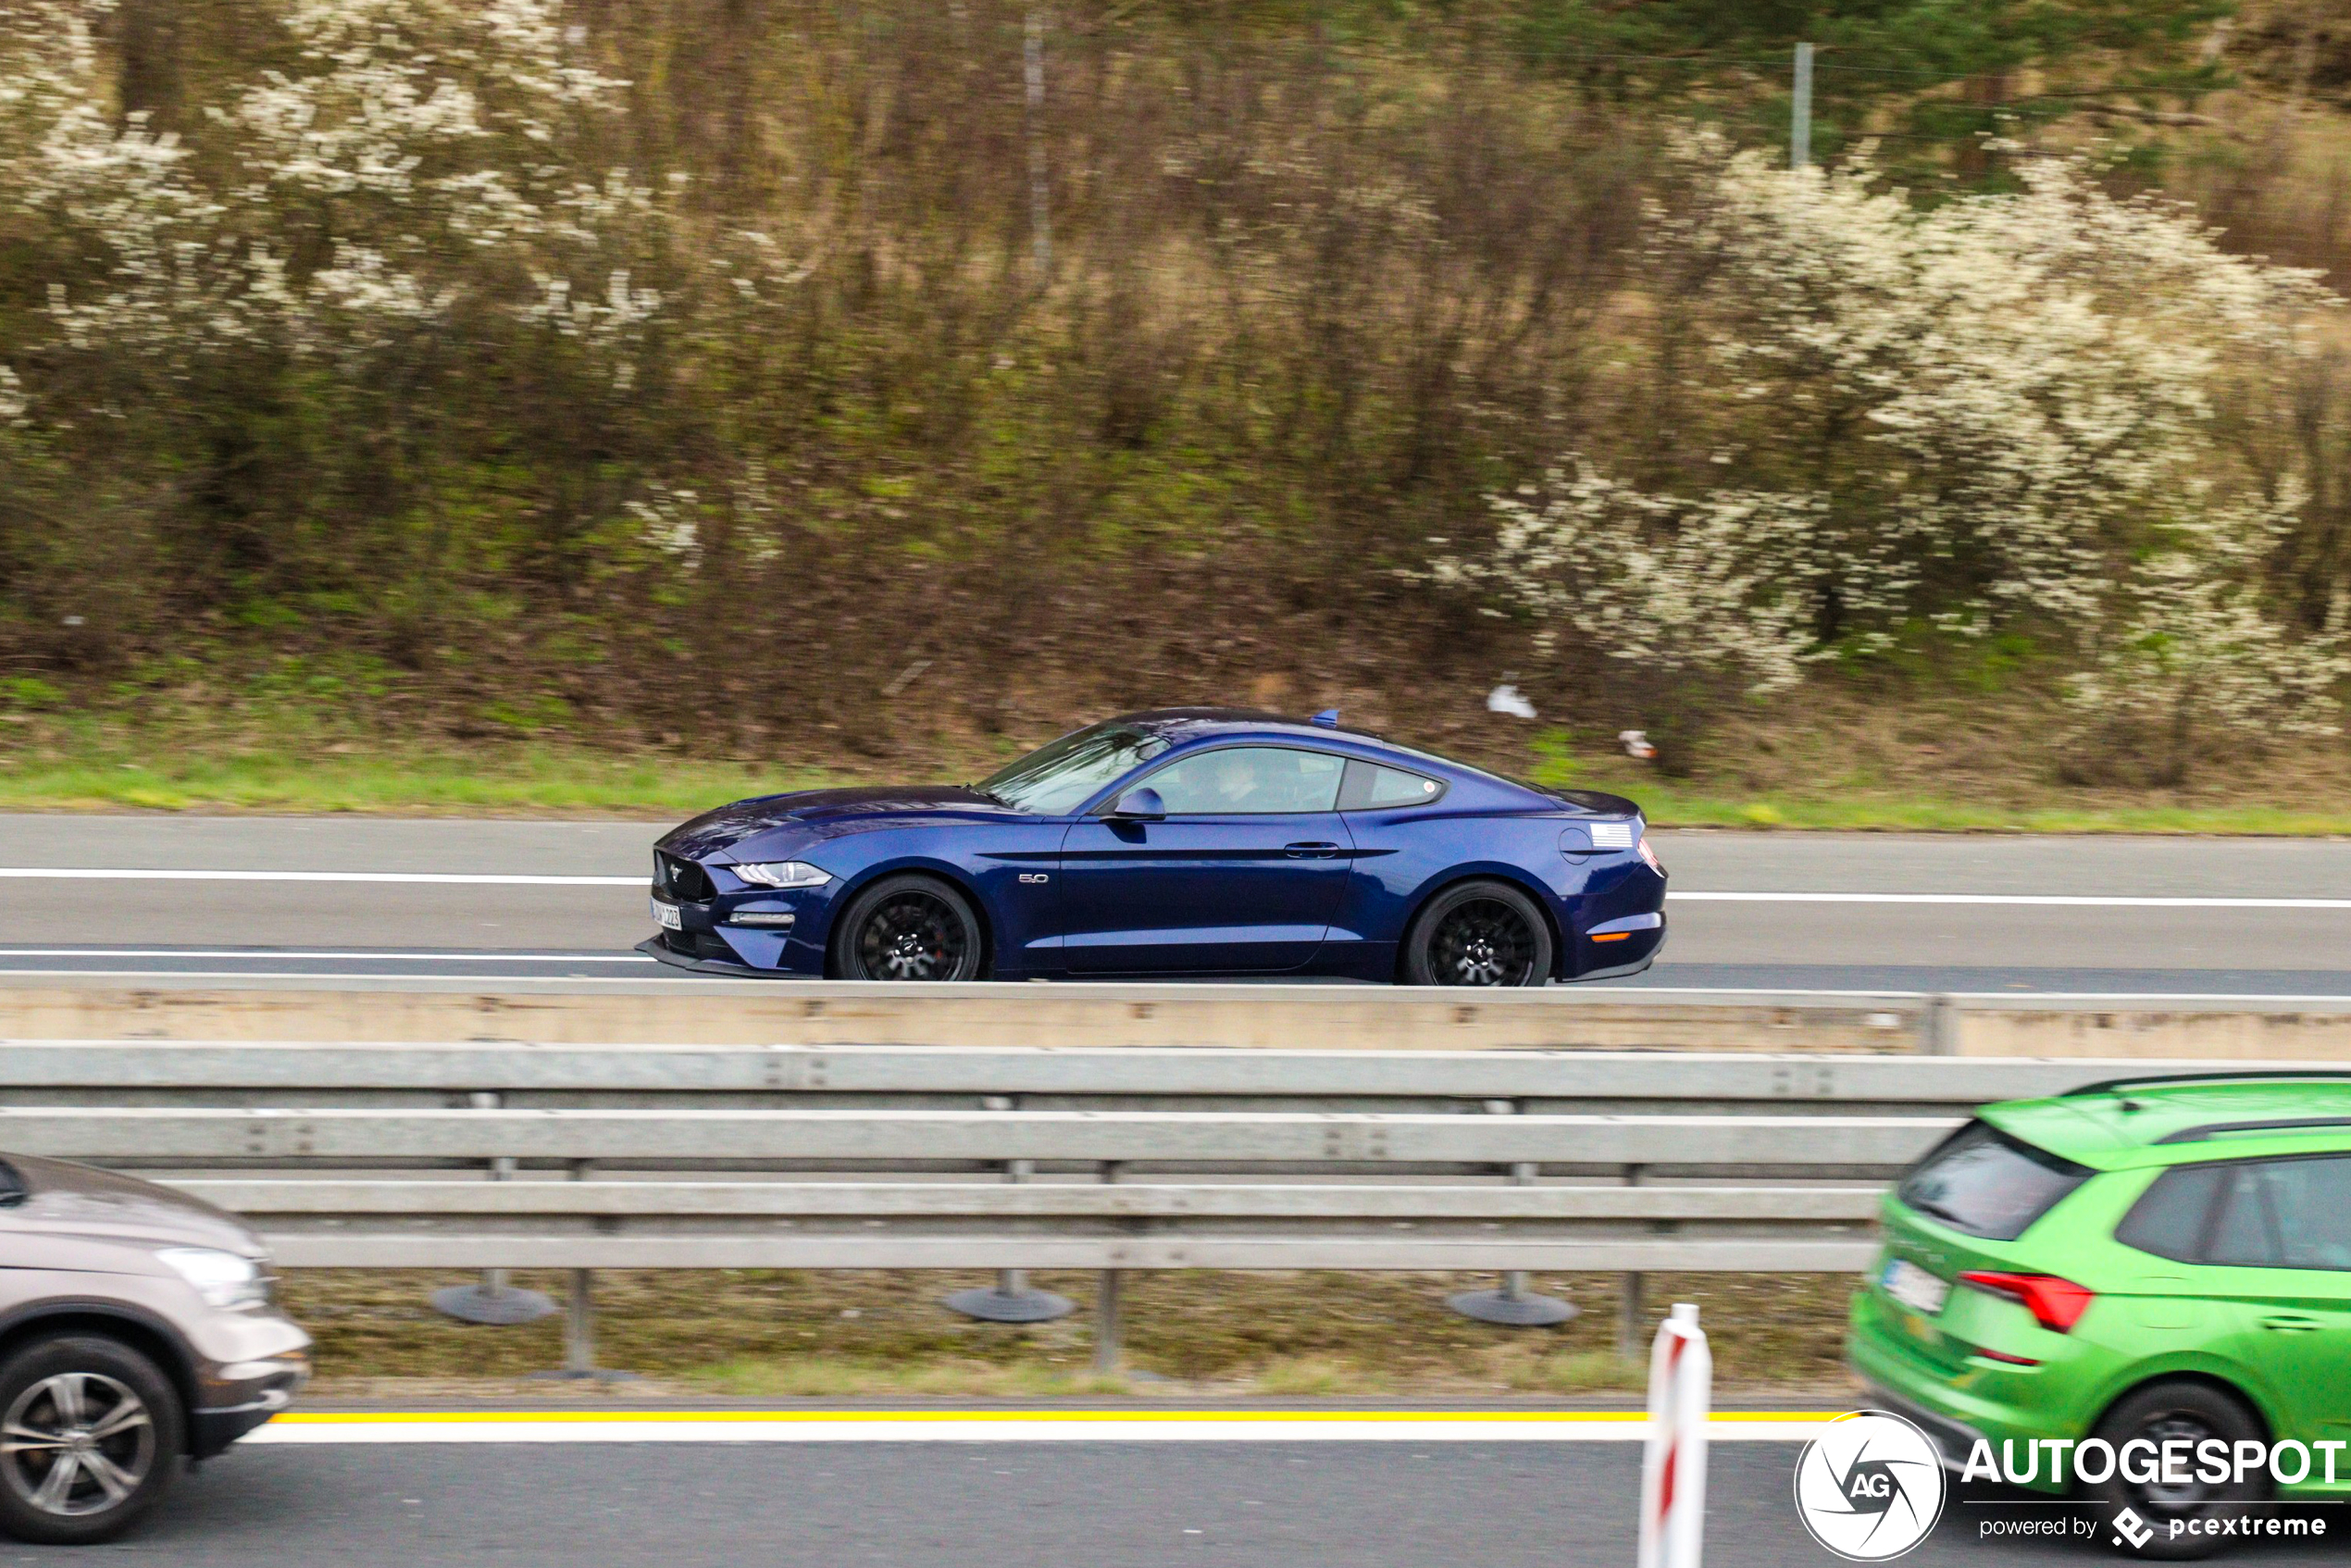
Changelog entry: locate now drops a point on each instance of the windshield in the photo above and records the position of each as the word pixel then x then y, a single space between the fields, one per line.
pixel 1056 779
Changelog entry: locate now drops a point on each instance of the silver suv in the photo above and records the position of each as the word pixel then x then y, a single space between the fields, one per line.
pixel 138 1331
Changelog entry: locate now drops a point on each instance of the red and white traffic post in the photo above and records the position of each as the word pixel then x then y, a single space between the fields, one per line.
pixel 1673 1465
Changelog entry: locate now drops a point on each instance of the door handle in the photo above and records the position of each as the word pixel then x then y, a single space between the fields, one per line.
pixel 1310 851
pixel 2286 1323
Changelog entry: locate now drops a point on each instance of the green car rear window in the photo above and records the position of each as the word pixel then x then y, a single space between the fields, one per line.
pixel 1982 1182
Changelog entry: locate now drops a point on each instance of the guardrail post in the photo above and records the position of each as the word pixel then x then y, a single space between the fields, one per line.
pixel 1515 1305
pixel 580 1321
pixel 1010 1300
pixel 1630 1310
pixel 1939 1026
pixel 1107 1328
pixel 492 1301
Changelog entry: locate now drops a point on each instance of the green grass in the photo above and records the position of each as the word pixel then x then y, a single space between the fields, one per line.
pixel 1669 806
pixel 507 780
pixel 496 781
pixel 81 764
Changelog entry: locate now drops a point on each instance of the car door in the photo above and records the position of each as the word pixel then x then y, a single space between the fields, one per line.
pixel 2279 1255
pixel 1243 873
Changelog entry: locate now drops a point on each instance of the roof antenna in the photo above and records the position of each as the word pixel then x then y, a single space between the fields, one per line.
pixel 1327 718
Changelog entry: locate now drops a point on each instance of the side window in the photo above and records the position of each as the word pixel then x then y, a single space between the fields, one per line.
pixel 2245 1231
pixel 2310 1201
pixel 1373 788
pixel 2170 1217
pixel 1249 781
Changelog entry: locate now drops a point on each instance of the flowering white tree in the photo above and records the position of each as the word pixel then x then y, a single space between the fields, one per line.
pixel 1997 410
pixel 1684 586
pixel 422 157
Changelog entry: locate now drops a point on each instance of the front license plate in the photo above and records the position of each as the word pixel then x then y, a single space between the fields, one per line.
pixel 1914 1288
pixel 666 917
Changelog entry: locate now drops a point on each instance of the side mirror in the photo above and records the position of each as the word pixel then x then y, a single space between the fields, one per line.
pixel 1139 805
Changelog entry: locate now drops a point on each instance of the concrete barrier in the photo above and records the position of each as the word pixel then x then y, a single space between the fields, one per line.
pixel 407 1011
pixel 835 1013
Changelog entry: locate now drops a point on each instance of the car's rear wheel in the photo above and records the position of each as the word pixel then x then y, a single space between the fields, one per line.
pixel 1482 933
pixel 2161 1412
pixel 909 928
pixel 90 1434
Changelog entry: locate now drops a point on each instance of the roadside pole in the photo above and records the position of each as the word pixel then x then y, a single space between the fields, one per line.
pixel 1673 1464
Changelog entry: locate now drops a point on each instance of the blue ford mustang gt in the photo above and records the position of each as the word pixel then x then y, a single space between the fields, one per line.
pixel 1187 842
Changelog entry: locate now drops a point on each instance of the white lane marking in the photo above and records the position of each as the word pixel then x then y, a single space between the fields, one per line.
pixel 1368 1428
pixel 2058 900
pixel 285 954
pixel 449 878
pixel 333 975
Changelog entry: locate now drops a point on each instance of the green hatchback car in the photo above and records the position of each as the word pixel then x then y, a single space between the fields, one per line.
pixel 2150 1261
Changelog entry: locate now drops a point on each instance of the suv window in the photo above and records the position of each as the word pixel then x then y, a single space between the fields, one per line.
pixel 2168 1219
pixel 2253 1213
pixel 1249 781
pixel 2287 1213
pixel 1982 1182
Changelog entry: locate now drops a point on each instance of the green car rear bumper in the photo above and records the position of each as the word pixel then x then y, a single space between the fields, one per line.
pixel 1978 1398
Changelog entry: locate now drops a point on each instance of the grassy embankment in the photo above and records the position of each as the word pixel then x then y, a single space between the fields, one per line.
pixel 92 768
pixel 758 1333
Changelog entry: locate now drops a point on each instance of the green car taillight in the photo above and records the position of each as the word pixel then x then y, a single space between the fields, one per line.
pixel 2056 1304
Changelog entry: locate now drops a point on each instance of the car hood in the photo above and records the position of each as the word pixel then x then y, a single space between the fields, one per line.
pixel 824 814
pixel 63 1199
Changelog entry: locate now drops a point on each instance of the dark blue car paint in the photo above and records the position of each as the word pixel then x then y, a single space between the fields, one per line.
pixel 1326 893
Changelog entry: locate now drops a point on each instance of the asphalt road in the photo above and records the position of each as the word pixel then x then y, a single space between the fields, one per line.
pixel 1000 1505
pixel 559 900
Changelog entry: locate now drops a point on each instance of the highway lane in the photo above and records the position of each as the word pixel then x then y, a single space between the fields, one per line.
pixel 1003 1505
pixel 92 917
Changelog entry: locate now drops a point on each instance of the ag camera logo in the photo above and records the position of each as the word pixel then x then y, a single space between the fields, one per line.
pixel 1870 1487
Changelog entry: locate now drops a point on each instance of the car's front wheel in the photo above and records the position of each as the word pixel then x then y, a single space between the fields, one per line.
pixel 90 1434
pixel 1482 933
pixel 2159 1413
pixel 909 928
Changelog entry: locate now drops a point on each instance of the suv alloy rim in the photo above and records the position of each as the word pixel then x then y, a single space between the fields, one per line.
pixel 75 1444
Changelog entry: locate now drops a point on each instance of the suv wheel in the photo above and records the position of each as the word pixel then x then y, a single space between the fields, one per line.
pixel 90 1437
pixel 2162 1413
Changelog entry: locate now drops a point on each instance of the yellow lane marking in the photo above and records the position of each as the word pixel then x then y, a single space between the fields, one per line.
pixel 689 1417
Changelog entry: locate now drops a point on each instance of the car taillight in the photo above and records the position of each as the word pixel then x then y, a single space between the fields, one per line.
pixel 1650 856
pixel 2054 1303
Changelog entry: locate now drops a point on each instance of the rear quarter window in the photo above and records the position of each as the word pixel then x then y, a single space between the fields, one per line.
pixel 2170 1217
pixel 1982 1182
pixel 1370 787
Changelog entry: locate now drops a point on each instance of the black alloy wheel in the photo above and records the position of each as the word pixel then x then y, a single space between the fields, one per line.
pixel 2161 1412
pixel 90 1434
pixel 910 928
pixel 1480 933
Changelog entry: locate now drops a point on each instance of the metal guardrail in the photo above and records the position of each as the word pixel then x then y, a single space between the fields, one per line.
pixel 1008 1158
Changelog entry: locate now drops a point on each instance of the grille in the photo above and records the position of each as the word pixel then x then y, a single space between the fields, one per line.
pixel 700 944
pixel 682 880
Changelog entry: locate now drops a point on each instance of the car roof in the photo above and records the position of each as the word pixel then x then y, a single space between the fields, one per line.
pixel 2163 1121
pixel 1180 725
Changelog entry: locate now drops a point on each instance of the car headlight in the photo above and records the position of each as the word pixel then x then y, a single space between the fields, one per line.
pixel 783 874
pixel 223 1279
